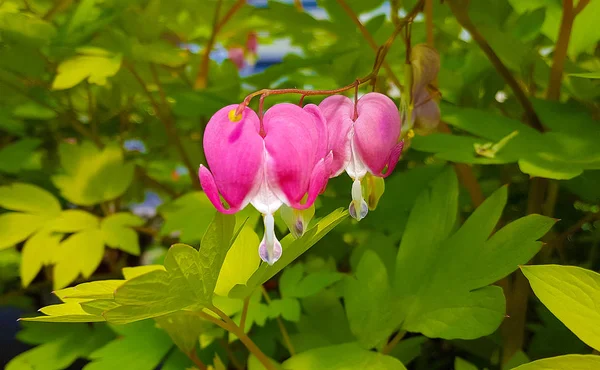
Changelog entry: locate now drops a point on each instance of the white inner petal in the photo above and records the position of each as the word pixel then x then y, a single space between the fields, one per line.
pixel 355 168
pixel 265 199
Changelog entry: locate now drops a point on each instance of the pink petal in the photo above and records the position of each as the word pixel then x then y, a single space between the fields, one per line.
pixel 392 160
pixel 236 55
pixel 292 142
pixel 210 188
pixel 321 130
pixel 318 182
pixel 376 131
pixel 234 152
pixel 338 111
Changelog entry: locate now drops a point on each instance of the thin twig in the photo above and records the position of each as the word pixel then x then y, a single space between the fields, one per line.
pixel 194 357
pixel 202 77
pixel 462 16
pixel 167 121
pixel 230 326
pixel 244 313
pixel 369 38
pixel 395 340
pixel 282 329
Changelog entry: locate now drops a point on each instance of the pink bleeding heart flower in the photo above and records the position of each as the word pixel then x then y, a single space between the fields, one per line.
pixel 363 140
pixel 267 165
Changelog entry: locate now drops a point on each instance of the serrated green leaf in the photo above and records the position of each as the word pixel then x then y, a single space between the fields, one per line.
pixel 371 309
pixel 81 253
pixel 461 364
pixel 288 308
pixel 117 232
pixel 95 68
pixel 572 295
pixel 30 199
pixel 61 349
pixel 571 362
pixel 16 227
pixel 442 284
pixel 18 155
pixel 141 346
pixel 132 272
pixel 590 75
pixel 73 220
pixel 92 176
pixel 343 356
pixel 189 215
pixel 184 328
pixel 37 252
pixel 188 281
pixel 241 262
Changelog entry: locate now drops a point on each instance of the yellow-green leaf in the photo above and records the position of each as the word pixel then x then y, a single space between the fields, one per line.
pixel 572 294
pixel 81 253
pixel 95 68
pixel 73 220
pixel 240 263
pixel 117 232
pixel 36 253
pixel 16 227
pixel 30 199
pixel 568 362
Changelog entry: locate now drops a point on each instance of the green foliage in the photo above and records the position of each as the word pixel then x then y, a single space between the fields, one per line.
pixel 92 176
pixel 103 107
pixel 571 294
pixel 342 356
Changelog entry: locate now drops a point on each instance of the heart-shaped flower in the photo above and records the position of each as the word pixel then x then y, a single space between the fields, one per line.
pixel 363 139
pixel 277 161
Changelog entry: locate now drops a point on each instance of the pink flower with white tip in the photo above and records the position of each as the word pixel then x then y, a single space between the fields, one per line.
pixel 363 138
pixel 277 161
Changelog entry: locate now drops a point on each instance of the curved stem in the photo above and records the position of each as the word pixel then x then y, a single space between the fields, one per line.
pixel 460 13
pixel 395 340
pixel 230 326
pixel 379 60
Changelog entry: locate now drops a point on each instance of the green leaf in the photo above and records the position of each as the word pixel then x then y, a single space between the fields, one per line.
pixel 571 362
pixel 370 307
pixel 241 262
pixel 118 233
pixel 30 199
pixel 73 220
pixel 81 253
pixel 60 349
pixel 184 328
pixel 94 65
pixel 288 308
pixel 140 346
pixel 37 252
pixel 572 295
pixel 460 364
pixel 340 357
pixel 293 283
pixel 16 227
pixel 92 176
pixel 188 215
pixel 18 156
pixel 590 75
pixel 188 282
pixel 442 284
pixel 292 249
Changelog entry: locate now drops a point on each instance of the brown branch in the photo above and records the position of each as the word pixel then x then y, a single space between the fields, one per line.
pixel 167 121
pixel 194 357
pixel 370 40
pixel 428 10
pixel 202 77
pixel 462 16
pixel 581 5
pixel 395 340
pixel 57 8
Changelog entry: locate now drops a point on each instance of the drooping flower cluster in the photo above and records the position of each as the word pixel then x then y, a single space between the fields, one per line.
pixel 286 157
